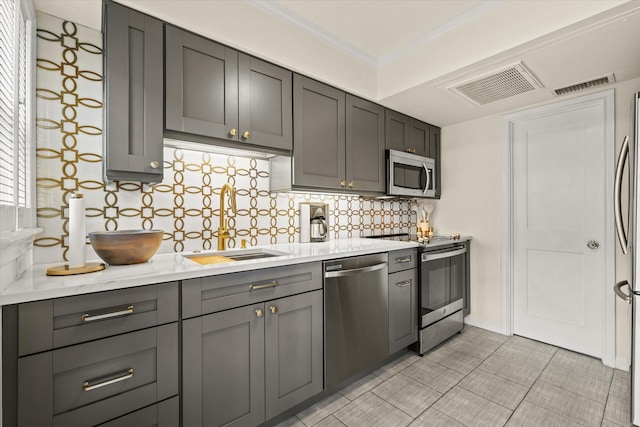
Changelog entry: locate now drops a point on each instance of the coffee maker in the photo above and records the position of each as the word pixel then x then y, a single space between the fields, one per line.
pixel 314 222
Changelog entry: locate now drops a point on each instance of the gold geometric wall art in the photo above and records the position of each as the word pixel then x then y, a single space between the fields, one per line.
pixel 185 205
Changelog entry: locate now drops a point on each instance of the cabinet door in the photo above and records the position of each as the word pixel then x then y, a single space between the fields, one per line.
pixel 133 73
pixel 201 91
pixel 163 414
pixel 434 152
pixel 94 382
pixel 419 132
pixel 403 309
pixel 293 351
pixel 318 135
pixel 223 368
pixel 365 145
pixel 265 103
pixel 397 131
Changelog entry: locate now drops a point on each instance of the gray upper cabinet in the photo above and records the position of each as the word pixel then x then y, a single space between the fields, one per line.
pixel 434 152
pixel 265 107
pixel 133 73
pixel 212 91
pixel 338 139
pixel 365 168
pixel 319 135
pixel 407 134
pixel 201 93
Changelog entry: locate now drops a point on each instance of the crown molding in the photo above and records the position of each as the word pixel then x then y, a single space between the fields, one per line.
pixel 276 9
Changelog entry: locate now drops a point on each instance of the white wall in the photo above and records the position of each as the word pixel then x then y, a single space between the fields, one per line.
pixel 471 204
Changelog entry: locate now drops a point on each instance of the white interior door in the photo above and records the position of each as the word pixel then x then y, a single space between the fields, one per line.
pixel 559 202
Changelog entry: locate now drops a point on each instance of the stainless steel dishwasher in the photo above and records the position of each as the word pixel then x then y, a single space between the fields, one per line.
pixel 356 316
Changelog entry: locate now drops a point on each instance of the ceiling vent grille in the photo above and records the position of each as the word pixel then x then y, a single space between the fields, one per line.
pixel 496 85
pixel 610 78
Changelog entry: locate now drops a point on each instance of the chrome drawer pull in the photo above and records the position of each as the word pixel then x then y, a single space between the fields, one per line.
pixel 403 284
pixel 273 284
pixel 128 375
pixel 89 318
pixel 403 260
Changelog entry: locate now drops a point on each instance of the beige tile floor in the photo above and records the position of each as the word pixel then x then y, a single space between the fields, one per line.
pixel 480 378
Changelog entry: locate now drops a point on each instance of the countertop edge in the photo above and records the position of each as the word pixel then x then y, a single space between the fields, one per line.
pixel 169 267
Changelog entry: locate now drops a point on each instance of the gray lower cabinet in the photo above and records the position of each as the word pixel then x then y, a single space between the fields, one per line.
pixel 162 414
pixel 403 299
pixel 107 357
pixel 94 382
pixel 133 73
pixel 213 91
pixel 248 364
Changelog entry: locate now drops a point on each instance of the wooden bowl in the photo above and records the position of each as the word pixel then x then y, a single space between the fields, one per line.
pixel 122 247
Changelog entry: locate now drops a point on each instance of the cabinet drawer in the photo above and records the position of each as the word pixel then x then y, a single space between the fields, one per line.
pixel 163 414
pixel 45 325
pixel 402 260
pixel 215 293
pixel 94 382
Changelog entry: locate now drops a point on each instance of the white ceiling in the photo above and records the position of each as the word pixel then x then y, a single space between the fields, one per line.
pixel 405 54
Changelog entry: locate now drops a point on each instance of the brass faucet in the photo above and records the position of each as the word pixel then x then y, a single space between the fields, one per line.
pixel 223 232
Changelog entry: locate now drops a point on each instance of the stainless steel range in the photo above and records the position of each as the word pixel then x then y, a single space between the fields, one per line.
pixel 443 275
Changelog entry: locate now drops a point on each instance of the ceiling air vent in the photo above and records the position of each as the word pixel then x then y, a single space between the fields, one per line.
pixel 610 78
pixel 496 85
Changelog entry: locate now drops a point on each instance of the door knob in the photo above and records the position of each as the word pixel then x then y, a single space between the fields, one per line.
pixel 246 135
pixel 593 244
pixel 273 309
pixel 233 132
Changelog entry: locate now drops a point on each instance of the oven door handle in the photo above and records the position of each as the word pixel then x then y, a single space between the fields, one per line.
pixel 426 170
pixel 448 254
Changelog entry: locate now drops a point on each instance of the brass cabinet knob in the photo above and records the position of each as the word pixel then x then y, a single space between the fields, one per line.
pixel 154 164
pixel 246 135
pixel 233 132
pixel 351 184
pixel 408 150
pixel 259 312
pixel 343 183
pixel 273 309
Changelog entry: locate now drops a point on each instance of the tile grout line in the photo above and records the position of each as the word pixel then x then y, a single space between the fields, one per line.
pixel 461 379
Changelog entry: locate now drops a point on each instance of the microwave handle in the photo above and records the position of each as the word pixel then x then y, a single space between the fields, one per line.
pixel 426 188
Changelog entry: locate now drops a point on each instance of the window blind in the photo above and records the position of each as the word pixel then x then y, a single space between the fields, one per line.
pixel 14 150
pixel 7 102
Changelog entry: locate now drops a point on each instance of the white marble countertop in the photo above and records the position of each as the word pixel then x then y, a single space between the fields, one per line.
pixel 36 285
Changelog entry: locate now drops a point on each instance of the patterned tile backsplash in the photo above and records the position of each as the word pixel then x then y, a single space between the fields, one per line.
pixel 186 204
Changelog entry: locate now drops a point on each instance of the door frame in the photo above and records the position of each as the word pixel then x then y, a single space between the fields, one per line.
pixel 605 99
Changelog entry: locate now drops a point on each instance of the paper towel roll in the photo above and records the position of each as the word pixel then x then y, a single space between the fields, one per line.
pixel 77 232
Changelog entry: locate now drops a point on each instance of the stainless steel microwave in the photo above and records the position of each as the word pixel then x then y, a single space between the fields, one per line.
pixel 410 175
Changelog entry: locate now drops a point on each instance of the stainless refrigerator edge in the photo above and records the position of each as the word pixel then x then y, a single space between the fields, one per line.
pixel 629 244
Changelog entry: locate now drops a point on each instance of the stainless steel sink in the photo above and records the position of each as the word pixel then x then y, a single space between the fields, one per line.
pixel 232 255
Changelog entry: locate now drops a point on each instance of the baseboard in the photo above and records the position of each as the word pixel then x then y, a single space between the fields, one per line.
pixel 490 326
pixel 622 363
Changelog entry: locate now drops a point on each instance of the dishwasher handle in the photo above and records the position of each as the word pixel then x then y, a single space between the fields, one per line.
pixel 352 271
